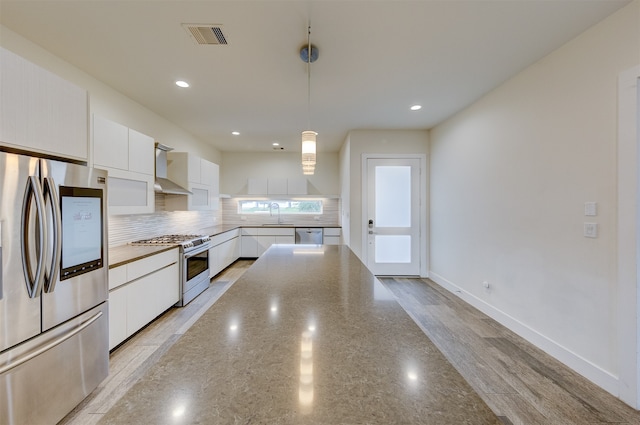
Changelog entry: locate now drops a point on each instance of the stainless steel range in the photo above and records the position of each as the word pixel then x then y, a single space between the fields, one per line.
pixel 194 262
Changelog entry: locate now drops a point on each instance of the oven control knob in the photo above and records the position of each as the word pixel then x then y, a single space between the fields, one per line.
pixel 188 245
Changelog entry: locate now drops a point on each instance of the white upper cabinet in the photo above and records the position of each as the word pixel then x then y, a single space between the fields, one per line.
pixel 141 153
pixel 198 175
pixel 297 186
pixel 40 111
pixel 277 186
pixel 129 158
pixel 257 186
pixel 110 141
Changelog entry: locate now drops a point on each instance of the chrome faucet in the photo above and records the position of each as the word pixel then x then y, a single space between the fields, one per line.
pixel 276 206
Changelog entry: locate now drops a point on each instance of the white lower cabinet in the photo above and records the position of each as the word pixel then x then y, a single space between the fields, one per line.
pixel 249 242
pixel 140 291
pixel 256 240
pixel 117 316
pixel 331 236
pixel 225 249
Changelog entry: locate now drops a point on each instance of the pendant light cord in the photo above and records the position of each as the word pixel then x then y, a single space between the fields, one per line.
pixel 309 76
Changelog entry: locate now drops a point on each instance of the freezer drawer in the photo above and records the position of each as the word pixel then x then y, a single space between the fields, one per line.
pixel 309 236
pixel 44 378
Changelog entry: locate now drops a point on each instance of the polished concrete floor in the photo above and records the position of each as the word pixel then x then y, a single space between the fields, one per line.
pixel 518 382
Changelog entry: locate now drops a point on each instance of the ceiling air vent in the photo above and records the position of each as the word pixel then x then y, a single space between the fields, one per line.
pixel 206 33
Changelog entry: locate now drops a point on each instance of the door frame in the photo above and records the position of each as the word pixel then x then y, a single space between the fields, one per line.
pixel 628 281
pixel 423 206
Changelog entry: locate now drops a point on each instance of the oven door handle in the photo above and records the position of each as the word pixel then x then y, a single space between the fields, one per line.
pixel 196 252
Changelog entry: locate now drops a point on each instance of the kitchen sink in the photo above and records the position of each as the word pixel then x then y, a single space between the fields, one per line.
pixel 277 225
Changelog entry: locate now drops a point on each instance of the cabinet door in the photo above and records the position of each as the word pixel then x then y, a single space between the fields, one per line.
pixel 248 245
pixel 201 198
pixel 117 316
pixel 130 193
pixel 142 154
pixel 140 306
pixel 264 242
pixel 210 173
pixel 167 287
pixel 277 187
pixel 257 186
pixel 207 171
pixel 228 253
pixel 194 168
pixel 110 144
pixel 40 111
pixel 150 295
pixel 214 261
pixel 297 186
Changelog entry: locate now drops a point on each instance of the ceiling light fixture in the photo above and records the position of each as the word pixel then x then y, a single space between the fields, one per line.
pixel 182 84
pixel 309 54
pixel 416 107
pixel 235 133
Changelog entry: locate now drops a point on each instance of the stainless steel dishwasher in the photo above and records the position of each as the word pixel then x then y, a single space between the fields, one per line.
pixel 309 235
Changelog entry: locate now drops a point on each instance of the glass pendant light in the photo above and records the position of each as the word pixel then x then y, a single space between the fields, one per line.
pixel 309 54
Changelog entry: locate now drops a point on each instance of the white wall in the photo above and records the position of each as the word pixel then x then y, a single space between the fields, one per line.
pixel 509 179
pixel 237 167
pixel 372 142
pixel 107 102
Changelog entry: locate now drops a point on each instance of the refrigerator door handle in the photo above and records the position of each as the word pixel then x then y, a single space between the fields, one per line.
pixel 33 191
pixel 51 194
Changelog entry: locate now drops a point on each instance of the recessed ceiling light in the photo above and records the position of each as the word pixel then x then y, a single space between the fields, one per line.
pixel 235 133
pixel 275 144
pixel 416 107
pixel 181 83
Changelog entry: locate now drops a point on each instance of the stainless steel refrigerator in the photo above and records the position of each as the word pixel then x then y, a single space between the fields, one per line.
pixel 53 287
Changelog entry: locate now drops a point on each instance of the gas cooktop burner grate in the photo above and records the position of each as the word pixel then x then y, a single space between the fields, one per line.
pixel 167 240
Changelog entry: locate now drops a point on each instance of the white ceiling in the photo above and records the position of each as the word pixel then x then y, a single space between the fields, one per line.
pixel 377 58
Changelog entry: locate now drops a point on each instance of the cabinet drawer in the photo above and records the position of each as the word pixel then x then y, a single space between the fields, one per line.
pixel 331 240
pixel 332 231
pixel 249 231
pixel 117 276
pixel 223 237
pixel 270 231
pixel 150 264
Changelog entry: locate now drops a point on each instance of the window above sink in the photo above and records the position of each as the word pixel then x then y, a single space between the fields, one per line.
pixel 284 207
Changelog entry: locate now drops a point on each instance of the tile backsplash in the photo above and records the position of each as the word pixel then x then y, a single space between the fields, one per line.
pixel 127 228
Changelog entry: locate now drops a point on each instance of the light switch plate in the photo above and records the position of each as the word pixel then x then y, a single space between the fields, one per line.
pixel 590 230
pixel 590 208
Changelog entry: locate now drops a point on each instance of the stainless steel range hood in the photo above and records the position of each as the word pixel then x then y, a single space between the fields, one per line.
pixel 163 184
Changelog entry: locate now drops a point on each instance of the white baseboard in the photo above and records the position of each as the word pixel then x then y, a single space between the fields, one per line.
pixel 592 372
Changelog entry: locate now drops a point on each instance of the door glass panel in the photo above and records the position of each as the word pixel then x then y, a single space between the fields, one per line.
pixel 393 196
pixel 127 192
pixel 200 197
pixel 393 249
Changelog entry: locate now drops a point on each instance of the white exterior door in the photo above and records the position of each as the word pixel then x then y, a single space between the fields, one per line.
pixel 392 216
